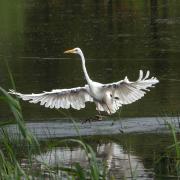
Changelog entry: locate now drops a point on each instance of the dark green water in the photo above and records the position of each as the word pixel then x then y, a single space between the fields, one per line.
pixel 118 38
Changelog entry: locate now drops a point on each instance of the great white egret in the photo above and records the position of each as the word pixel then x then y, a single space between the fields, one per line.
pixel 107 97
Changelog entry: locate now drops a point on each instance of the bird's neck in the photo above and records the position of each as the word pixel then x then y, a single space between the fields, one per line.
pixel 84 69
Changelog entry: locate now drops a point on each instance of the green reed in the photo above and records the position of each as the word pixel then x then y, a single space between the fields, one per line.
pixel 10 167
pixel 168 164
pixel 26 144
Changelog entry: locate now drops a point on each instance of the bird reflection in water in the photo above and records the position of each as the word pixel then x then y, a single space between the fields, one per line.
pixel 119 163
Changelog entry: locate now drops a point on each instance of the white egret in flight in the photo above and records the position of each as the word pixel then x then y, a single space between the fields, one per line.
pixel 107 97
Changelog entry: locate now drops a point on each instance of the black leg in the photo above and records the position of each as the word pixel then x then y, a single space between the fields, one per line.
pixel 97 117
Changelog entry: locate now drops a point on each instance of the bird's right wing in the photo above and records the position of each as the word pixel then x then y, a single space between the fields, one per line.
pixel 59 98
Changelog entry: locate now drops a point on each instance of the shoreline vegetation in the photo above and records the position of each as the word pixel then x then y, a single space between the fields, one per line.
pixel 10 167
pixel 17 153
pixel 26 145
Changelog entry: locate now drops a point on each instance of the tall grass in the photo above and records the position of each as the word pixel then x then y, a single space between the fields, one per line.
pixel 168 164
pixel 96 171
pixel 15 108
pixel 175 147
pixel 10 167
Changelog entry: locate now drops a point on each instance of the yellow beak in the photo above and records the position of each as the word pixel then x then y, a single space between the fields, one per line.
pixel 69 51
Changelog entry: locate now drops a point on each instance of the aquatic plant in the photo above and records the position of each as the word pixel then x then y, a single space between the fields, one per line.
pixel 10 167
pixel 168 164
pixel 175 147
pixel 95 171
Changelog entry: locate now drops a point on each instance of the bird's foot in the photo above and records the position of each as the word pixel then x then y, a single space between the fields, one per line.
pixel 86 120
pixel 91 119
pixel 99 117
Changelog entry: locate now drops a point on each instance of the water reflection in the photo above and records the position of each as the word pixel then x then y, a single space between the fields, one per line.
pixel 118 38
pixel 120 164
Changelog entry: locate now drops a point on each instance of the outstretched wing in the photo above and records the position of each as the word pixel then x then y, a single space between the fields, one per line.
pixel 126 92
pixel 59 98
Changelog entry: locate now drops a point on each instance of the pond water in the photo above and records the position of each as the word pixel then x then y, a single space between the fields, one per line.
pixel 129 148
pixel 124 155
pixel 118 39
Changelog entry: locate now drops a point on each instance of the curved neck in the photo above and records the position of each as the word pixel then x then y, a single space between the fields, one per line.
pixel 84 68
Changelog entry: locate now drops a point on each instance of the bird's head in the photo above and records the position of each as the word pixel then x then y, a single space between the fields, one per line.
pixel 74 51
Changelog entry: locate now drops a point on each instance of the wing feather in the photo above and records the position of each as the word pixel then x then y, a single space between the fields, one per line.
pixel 126 92
pixel 62 98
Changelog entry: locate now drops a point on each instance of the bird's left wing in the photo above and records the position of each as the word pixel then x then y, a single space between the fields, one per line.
pixel 126 92
pixel 59 98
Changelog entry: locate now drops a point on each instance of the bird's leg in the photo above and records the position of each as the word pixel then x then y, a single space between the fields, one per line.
pixel 86 120
pixel 99 117
pixel 108 109
pixel 110 114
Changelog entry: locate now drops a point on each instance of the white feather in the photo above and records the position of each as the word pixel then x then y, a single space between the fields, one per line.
pixel 107 97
